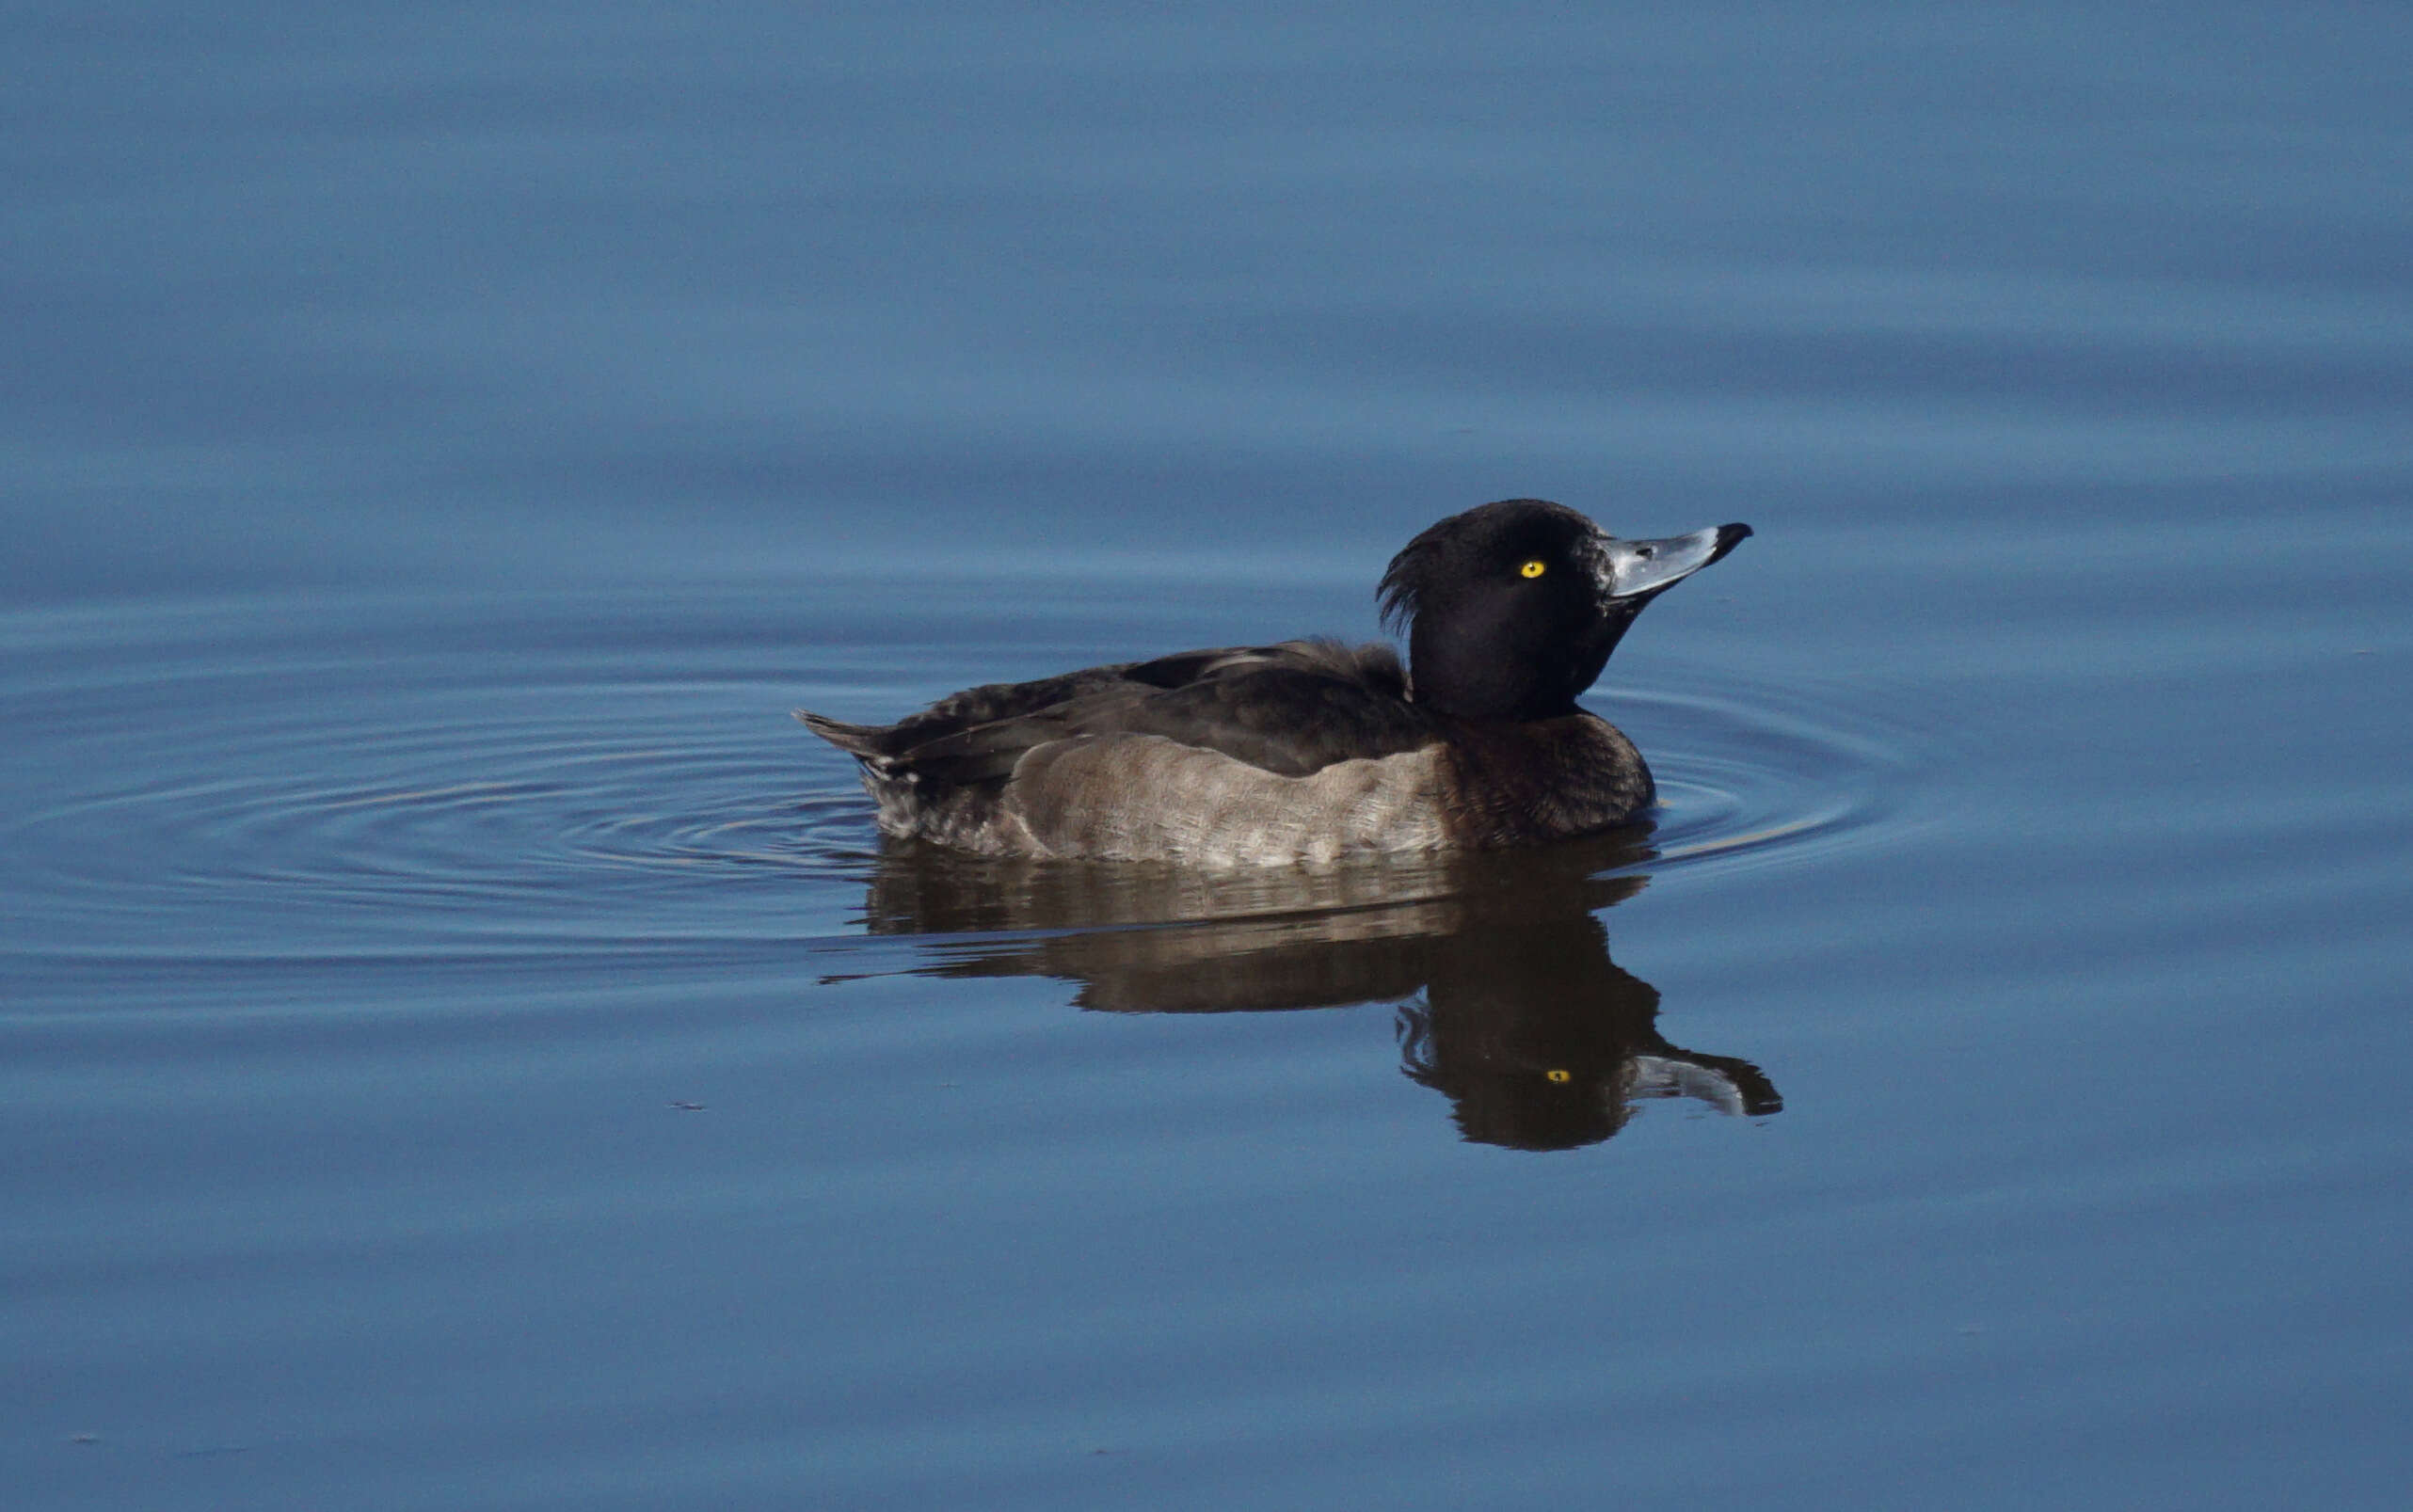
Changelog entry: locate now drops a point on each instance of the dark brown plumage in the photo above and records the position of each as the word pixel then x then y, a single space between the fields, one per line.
pixel 1305 749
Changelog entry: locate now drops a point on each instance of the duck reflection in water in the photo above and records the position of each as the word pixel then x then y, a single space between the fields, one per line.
pixel 1509 1002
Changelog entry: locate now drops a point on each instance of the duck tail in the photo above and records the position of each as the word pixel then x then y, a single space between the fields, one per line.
pixel 861 742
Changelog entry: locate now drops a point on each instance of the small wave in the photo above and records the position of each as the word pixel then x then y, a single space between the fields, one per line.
pixel 1757 775
pixel 335 796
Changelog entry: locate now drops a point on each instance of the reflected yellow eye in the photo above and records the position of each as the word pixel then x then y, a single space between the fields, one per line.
pixel 1533 568
pixel 1554 1075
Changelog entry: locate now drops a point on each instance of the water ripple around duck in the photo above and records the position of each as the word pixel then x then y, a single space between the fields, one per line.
pixel 240 782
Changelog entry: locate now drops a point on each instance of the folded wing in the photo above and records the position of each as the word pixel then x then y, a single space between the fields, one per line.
pixel 1292 708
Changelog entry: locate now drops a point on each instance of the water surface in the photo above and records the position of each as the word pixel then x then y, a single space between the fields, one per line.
pixel 464 1044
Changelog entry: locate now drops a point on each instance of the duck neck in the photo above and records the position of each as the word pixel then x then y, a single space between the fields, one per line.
pixel 1476 682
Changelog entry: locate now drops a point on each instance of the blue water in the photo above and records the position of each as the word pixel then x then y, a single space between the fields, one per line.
pixel 462 1045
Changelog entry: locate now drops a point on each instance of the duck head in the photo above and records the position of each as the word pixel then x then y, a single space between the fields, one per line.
pixel 1512 607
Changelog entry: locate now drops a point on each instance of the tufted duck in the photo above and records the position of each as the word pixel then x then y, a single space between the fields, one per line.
pixel 1308 750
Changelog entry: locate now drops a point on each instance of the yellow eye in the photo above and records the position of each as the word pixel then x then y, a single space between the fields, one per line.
pixel 1533 568
pixel 1556 1076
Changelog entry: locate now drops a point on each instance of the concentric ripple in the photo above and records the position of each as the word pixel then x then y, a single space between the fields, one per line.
pixel 1759 774
pixel 434 777
pixel 235 783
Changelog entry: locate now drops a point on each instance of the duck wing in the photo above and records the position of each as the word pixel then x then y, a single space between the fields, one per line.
pixel 1290 709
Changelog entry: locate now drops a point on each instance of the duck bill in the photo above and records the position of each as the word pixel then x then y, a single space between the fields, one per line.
pixel 1632 572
